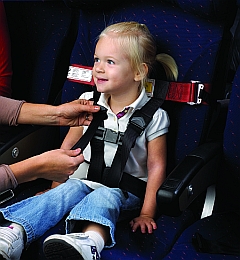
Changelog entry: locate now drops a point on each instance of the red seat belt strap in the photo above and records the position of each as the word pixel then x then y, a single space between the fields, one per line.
pixel 187 92
pixel 178 91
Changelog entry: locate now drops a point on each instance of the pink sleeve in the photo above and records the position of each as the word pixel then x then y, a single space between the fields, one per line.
pixel 9 110
pixel 5 55
pixel 7 178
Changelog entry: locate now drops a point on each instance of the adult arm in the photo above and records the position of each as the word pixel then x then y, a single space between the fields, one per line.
pixel 7 179
pixel 9 111
pixel 75 113
pixel 56 165
pixel 69 141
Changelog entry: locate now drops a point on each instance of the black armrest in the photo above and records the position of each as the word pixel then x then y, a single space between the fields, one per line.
pixel 21 142
pixel 189 179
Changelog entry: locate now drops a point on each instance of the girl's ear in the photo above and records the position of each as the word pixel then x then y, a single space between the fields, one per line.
pixel 141 74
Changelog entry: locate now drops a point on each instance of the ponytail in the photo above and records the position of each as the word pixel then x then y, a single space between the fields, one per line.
pixel 169 66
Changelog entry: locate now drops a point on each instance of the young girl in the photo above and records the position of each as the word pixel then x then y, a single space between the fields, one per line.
pixel 123 58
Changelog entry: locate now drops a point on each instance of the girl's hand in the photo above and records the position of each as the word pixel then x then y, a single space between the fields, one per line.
pixel 145 223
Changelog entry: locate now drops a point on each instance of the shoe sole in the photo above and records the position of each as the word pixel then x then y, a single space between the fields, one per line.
pixel 55 249
pixel 2 257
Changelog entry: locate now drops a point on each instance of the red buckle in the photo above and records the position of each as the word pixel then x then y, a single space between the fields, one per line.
pixel 187 92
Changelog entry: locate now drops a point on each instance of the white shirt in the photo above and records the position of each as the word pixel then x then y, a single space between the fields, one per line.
pixel 137 162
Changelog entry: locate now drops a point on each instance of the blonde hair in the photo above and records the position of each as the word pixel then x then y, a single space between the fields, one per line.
pixel 140 47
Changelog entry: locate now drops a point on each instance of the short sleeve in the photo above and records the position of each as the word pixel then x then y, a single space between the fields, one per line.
pixel 7 178
pixel 158 126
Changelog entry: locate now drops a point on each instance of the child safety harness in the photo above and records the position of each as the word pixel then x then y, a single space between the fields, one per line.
pixel 96 134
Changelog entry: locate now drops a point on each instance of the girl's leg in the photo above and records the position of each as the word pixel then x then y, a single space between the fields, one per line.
pixel 39 213
pixel 96 215
pixel 102 206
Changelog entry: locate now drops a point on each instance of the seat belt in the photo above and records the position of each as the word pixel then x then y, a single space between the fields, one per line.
pixel 209 202
pixel 193 93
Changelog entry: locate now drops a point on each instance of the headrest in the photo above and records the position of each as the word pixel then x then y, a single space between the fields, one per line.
pixel 213 9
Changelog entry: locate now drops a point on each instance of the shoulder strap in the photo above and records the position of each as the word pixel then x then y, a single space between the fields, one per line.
pixel 97 119
pixel 137 124
pixel 115 176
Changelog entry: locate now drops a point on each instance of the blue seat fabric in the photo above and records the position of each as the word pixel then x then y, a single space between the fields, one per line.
pixel 191 32
pixel 42 36
pixel 226 212
pixel 192 40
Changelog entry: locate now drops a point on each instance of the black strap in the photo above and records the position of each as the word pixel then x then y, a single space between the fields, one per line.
pixel 97 119
pixel 114 176
pixel 137 124
pixel 97 163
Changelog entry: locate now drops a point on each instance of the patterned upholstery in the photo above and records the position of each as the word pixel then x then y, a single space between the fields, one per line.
pixel 224 223
pixel 192 40
pixel 42 35
pixel 193 33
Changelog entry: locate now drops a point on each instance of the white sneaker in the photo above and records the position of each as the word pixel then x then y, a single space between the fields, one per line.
pixel 11 242
pixel 71 246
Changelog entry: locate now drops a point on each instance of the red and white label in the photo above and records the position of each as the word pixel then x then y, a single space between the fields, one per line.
pixel 80 74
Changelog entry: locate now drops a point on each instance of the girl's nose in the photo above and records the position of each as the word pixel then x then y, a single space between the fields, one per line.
pixel 99 67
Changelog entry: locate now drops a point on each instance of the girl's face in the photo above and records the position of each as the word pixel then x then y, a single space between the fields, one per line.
pixel 112 70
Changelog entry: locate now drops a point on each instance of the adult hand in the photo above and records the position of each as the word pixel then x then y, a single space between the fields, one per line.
pixel 76 113
pixel 56 165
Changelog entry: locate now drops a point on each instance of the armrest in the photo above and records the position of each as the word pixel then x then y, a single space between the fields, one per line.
pixel 21 142
pixel 189 179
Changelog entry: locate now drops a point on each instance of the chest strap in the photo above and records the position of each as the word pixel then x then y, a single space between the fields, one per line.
pixel 115 177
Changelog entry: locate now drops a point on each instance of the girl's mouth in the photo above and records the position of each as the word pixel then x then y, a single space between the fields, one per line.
pixel 101 80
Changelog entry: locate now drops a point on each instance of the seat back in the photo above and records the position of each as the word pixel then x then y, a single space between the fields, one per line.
pixel 42 35
pixel 229 177
pixel 219 234
pixel 196 34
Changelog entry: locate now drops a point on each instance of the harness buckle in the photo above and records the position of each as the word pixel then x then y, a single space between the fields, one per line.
pixel 197 87
pixel 108 135
pixel 138 121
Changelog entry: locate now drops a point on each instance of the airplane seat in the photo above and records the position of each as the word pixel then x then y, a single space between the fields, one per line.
pixel 197 35
pixel 218 235
pixel 42 34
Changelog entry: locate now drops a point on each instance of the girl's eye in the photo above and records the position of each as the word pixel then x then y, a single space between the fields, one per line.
pixel 96 59
pixel 111 62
